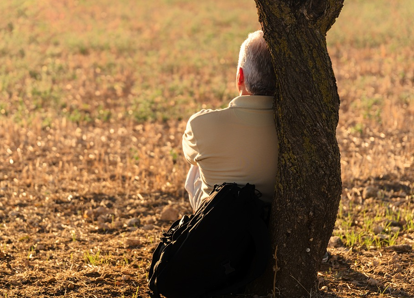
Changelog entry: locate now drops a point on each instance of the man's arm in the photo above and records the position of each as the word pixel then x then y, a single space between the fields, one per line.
pixel 190 144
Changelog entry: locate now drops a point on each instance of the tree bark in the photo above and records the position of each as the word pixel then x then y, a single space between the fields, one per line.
pixel 308 183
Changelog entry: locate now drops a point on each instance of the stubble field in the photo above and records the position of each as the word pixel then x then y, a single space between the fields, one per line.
pixel 94 97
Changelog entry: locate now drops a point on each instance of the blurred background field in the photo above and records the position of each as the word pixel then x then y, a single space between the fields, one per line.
pixel 94 96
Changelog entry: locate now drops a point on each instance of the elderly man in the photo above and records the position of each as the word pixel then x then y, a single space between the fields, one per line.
pixel 238 143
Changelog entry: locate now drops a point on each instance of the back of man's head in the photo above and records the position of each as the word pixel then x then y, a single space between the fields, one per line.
pixel 257 66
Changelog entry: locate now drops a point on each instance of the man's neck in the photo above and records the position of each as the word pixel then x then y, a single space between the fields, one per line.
pixel 243 91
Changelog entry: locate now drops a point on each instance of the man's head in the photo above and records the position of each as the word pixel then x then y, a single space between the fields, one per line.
pixel 255 70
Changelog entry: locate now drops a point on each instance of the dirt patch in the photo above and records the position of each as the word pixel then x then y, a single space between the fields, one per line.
pixel 100 246
pixel 81 208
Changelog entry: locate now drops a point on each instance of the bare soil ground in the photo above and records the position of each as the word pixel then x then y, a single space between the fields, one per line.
pixel 90 232
pixel 85 230
pixel 94 96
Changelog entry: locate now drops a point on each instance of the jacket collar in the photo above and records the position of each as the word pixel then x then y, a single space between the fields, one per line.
pixel 256 102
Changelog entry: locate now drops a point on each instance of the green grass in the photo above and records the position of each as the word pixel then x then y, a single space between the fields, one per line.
pixel 93 259
pixel 152 60
pixel 375 22
pixel 357 226
pixel 149 60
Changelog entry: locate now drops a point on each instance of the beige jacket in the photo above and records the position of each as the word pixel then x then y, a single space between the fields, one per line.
pixel 235 144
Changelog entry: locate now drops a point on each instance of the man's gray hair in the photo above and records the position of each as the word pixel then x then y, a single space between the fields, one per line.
pixel 255 59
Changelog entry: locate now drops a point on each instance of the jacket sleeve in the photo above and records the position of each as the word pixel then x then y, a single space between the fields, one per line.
pixel 190 148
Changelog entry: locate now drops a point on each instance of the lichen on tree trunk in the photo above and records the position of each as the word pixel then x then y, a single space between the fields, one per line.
pixel 308 184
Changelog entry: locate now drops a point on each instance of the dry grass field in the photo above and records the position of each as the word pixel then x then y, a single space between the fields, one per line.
pixel 94 97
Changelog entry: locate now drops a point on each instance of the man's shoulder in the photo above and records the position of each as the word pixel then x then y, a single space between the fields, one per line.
pixel 207 115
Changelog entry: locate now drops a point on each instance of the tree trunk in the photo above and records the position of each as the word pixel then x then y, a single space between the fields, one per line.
pixel 308 184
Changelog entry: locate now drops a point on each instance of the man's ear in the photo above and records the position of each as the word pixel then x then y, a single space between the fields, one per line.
pixel 240 77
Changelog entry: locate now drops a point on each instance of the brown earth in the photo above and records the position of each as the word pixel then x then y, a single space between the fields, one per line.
pixel 86 222
pixel 90 152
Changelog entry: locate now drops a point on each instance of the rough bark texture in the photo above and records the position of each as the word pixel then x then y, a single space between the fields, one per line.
pixel 308 186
